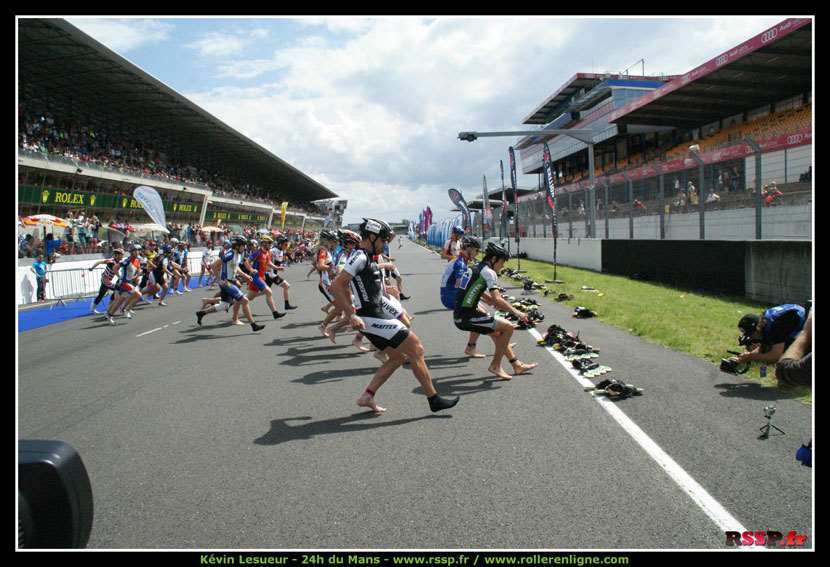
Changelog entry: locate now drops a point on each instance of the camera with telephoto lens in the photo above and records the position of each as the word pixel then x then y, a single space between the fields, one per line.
pixel 732 366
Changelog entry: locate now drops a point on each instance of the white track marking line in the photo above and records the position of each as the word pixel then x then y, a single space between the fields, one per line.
pixel 690 486
pixel 148 332
pixel 175 322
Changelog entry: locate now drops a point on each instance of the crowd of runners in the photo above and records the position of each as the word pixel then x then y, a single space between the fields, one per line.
pixel 362 290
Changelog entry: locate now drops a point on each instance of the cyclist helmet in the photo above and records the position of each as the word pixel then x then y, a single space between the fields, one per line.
pixel 167 249
pixel 374 226
pixel 350 237
pixel 136 248
pixel 253 242
pixel 458 230
pixel 239 240
pixel 266 238
pixel 471 242
pixel 327 234
pixel 496 251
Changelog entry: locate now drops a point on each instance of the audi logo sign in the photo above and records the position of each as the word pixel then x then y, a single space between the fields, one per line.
pixel 769 35
pixel 721 60
pixel 795 139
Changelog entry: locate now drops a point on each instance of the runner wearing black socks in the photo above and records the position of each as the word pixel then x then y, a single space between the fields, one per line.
pixel 362 278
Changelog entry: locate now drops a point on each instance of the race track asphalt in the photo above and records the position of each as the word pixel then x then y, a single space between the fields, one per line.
pixel 215 437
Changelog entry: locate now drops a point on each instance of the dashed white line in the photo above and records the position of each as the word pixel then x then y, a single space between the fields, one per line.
pixel 690 486
pixel 150 331
pixel 175 322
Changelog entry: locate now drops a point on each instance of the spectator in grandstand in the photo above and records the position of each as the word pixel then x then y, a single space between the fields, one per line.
pixel 25 246
pixel 692 191
pixel 39 268
pixel 796 364
pixel 68 233
pixel 581 209
pixel 735 180
pixel 712 198
pixel 771 194
pixel 638 204
pixel 680 201
pixel 772 333
pixel 51 244
pixel 807 176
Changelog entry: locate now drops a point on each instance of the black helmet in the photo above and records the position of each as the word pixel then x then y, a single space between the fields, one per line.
pixel 497 251
pixel 374 226
pixel 471 241
pixel 239 240
pixel 327 234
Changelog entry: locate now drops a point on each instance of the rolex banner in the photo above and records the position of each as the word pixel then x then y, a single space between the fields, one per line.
pixel 150 200
pixel 283 209
pixel 458 200
pixel 550 186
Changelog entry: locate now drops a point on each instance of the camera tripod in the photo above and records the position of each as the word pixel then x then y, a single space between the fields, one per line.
pixel 765 429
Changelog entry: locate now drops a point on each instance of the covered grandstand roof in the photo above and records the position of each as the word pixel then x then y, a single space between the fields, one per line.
pixel 72 75
pixel 556 103
pixel 762 70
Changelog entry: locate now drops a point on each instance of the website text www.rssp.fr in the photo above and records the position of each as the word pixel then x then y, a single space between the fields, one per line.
pixel 507 560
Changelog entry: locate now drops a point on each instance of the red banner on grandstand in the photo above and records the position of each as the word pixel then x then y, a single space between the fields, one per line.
pixel 767 37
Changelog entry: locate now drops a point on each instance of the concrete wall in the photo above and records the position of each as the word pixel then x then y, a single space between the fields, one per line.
pixel 577 252
pixel 779 272
pixel 791 222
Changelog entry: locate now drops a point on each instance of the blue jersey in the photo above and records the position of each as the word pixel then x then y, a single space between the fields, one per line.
pixel 452 273
pixel 230 261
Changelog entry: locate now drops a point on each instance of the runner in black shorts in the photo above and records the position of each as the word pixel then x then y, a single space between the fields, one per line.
pixel 476 285
pixel 362 278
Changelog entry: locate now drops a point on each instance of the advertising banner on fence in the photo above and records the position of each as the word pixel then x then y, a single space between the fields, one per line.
pixel 151 202
pixel 458 200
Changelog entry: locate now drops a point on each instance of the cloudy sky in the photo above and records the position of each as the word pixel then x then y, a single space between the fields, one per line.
pixel 371 107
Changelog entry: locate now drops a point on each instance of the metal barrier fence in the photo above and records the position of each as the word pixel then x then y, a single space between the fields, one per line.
pixel 77 283
pixel 73 283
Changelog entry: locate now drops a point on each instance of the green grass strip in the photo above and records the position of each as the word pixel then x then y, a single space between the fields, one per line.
pixel 695 322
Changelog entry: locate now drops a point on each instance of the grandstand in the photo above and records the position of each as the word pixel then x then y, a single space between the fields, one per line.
pixel 760 89
pixel 92 126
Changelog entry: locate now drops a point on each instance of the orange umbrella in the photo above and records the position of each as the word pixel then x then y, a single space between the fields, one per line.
pixel 35 220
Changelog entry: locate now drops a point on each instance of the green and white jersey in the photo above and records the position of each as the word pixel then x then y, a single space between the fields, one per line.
pixel 472 286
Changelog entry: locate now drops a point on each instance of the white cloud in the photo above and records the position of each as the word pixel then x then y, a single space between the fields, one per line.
pixel 218 45
pixel 123 35
pixel 375 118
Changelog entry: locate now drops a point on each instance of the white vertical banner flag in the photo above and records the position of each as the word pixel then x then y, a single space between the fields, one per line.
pixel 151 201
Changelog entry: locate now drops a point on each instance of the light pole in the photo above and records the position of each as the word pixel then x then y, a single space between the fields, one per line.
pixel 582 134
pixel 694 152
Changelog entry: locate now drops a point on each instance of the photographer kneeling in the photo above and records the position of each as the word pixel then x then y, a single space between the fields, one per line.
pixel 770 335
pixel 796 366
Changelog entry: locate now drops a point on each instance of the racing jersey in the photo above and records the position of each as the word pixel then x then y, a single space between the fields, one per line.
pixel 230 261
pixel 453 247
pixel 183 259
pixel 472 285
pixel 324 257
pixel 277 256
pixel 452 274
pixel 259 261
pixel 110 273
pixel 207 257
pixel 366 284
pixel 130 267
